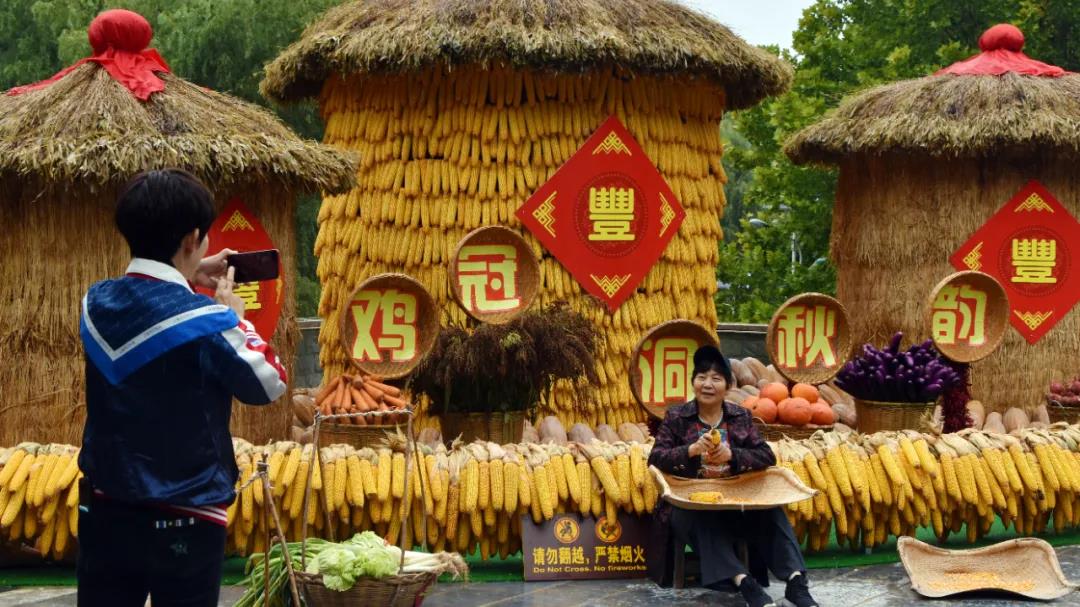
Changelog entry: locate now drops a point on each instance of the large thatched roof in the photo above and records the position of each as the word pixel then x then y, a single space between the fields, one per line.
pixel 648 36
pixel 997 102
pixel 87 127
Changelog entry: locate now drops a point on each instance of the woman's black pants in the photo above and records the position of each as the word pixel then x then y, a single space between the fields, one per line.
pixel 713 536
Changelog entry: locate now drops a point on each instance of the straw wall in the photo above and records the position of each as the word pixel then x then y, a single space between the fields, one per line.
pixel 896 222
pixel 446 151
pixel 57 243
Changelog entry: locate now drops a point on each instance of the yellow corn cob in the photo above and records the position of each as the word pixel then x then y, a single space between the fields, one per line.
pixel 13 463
pixel 297 489
pixel 471 478
pixel 572 478
pixel 926 459
pixel 14 506
pixel 835 499
pixel 274 472
pixel 986 497
pixel 355 483
pixel 952 482
pixel 59 471
pixel 1046 466
pixel 584 475
pixel 1027 476
pixel 291 469
pixel 382 473
pixel 966 477
pixel 483 494
pixel 342 486
pixel 543 491
pixel 637 465
pixel 554 467
pixel 511 479
pixel 372 485
pixel 652 494
pixel 602 468
pixel 397 478
pixel 525 485
pixel 495 471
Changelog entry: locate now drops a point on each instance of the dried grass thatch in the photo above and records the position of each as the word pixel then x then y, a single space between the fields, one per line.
pixel 898 218
pixel 949 117
pixel 658 37
pixel 87 128
pixel 59 240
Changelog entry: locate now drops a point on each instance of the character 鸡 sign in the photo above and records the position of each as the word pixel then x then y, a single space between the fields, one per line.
pixel 389 325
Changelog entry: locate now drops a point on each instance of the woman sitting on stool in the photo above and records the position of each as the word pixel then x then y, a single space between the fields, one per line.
pixel 683 448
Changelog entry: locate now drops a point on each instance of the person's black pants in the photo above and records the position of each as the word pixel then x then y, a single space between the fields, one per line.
pixel 128 552
pixel 713 536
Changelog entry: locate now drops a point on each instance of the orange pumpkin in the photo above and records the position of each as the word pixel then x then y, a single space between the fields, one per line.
pixel 748 402
pixel 822 414
pixel 795 411
pixel 765 410
pixel 810 393
pixel 775 392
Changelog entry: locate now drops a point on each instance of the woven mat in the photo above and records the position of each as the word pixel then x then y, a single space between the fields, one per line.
pixel 751 491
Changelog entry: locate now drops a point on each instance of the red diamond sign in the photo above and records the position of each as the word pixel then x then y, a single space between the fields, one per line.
pixel 607 215
pixel 1027 246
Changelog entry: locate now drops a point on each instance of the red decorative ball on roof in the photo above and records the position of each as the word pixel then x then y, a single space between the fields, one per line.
pixel 1003 36
pixel 120 29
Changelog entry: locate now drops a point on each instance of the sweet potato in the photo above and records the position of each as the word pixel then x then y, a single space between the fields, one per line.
pixel 977 413
pixel 552 431
pixel 630 433
pixel 607 434
pixel 741 373
pixel 581 433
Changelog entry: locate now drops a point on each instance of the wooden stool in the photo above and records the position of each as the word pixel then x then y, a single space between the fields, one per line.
pixel 678 576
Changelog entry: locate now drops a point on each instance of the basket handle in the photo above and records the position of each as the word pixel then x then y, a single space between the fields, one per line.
pixel 409 454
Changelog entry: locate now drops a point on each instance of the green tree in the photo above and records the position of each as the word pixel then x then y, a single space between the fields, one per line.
pixel 842 46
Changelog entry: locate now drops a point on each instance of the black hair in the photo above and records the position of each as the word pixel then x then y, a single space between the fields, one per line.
pixel 709 358
pixel 157 209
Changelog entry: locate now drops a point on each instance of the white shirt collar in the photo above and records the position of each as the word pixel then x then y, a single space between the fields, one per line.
pixel 158 270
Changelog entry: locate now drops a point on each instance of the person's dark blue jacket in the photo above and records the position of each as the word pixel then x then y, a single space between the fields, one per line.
pixel 162 367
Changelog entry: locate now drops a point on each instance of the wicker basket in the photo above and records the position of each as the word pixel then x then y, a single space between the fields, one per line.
pixel 1058 412
pixel 357 436
pixel 874 416
pixel 404 590
pixel 501 428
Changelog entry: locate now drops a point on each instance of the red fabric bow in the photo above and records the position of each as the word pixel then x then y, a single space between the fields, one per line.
pixel 119 39
pixel 1001 54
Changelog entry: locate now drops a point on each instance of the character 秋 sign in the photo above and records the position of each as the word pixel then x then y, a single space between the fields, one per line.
pixel 809 338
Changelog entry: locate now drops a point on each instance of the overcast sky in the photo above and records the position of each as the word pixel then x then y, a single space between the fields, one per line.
pixel 757 21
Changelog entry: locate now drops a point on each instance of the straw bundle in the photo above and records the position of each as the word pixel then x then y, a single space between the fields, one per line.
pixel 898 218
pixel 445 152
pixel 64 151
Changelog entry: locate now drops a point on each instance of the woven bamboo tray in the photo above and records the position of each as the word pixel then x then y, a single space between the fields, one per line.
pixel 759 490
pixel 1025 566
pixel 1058 412
pixel 775 432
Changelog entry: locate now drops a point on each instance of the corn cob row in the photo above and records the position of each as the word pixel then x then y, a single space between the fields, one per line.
pixel 891 483
pixel 39 497
pixel 871 488
pixel 443 153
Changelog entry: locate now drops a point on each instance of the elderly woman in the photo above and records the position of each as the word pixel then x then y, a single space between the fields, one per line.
pixel 683 448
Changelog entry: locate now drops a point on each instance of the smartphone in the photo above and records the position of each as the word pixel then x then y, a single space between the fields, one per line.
pixel 255 266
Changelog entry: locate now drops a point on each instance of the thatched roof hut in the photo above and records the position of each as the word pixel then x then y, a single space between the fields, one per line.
pixel 923 164
pixel 461 109
pixel 65 148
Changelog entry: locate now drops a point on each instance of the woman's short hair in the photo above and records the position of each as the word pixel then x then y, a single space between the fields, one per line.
pixel 156 209
pixel 709 358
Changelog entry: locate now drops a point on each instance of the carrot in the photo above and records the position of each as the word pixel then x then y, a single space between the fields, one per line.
pixel 360 420
pixel 375 393
pixel 324 408
pixel 347 402
pixel 358 399
pixel 392 391
pixel 396 403
pixel 369 403
pixel 338 398
pixel 327 390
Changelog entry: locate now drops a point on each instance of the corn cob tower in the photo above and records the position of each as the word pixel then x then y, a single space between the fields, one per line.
pixel 453 141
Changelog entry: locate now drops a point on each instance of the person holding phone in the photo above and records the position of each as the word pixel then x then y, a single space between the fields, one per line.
pixel 163 365
pixel 710 437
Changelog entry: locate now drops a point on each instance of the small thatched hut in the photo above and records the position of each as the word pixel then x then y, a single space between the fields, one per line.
pixel 461 109
pixel 923 164
pixel 65 148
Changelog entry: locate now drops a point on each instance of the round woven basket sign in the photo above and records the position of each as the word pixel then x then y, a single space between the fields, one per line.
pixel 389 325
pixel 662 364
pixel 968 315
pixel 809 337
pixel 493 274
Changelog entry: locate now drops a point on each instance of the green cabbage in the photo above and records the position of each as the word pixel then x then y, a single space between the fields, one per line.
pixel 364 554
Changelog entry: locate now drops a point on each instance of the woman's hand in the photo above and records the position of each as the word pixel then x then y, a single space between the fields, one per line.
pixel 212 269
pixel 224 294
pixel 702 446
pixel 718 455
